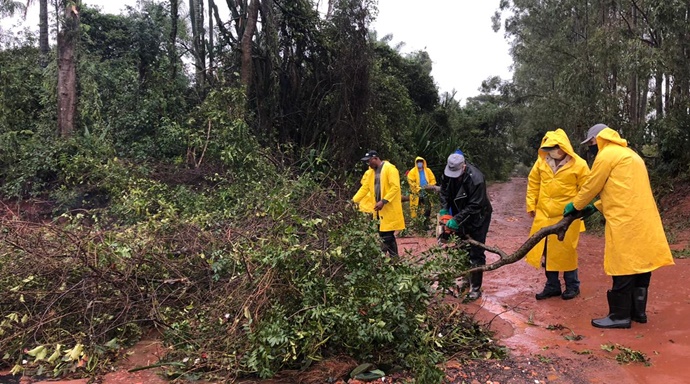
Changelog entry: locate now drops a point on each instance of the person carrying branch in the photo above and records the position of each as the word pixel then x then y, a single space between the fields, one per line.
pixel 463 195
pixel 635 242
pixel 555 180
pixel 418 178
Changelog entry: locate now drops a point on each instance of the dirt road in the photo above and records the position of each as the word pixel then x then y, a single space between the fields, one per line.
pixel 525 322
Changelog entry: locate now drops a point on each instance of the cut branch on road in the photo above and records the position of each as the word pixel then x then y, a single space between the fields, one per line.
pixel 558 229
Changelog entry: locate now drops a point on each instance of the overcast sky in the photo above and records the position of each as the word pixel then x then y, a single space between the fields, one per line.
pixel 456 33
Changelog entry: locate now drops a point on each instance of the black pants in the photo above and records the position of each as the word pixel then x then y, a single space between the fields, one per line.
pixel 627 283
pixel 477 255
pixel 389 244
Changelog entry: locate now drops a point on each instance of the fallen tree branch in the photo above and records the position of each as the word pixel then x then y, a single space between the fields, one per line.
pixel 558 229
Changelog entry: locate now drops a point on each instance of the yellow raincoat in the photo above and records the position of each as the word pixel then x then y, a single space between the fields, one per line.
pixel 365 200
pixel 415 188
pixel 391 215
pixel 547 195
pixel 635 238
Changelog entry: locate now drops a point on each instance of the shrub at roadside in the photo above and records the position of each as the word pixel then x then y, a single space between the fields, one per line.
pixel 248 277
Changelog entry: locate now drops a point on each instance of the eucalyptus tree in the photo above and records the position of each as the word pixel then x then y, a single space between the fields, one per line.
pixel 623 62
pixel 67 40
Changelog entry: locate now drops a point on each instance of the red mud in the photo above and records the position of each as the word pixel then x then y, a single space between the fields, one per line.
pixel 510 290
pixel 521 323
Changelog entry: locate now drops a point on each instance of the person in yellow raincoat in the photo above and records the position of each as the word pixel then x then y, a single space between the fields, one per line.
pixel 419 177
pixel 383 183
pixel 636 243
pixel 365 201
pixel 553 182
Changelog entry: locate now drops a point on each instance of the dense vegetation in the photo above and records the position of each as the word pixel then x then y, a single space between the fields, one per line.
pixel 200 186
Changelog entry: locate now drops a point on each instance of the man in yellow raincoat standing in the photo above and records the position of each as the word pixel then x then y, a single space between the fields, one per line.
pixel 383 183
pixel 553 182
pixel 636 243
pixel 419 177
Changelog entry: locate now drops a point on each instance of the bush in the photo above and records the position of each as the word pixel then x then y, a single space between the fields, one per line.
pixel 292 280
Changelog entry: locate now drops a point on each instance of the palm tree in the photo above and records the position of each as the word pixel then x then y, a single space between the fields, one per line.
pixel 9 7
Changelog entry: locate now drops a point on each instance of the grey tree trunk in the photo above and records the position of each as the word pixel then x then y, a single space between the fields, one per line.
pixel 209 48
pixel 172 51
pixel 43 45
pixel 250 27
pixel 67 72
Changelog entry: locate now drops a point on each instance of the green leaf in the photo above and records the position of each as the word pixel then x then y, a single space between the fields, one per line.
pixel 371 375
pixel 361 369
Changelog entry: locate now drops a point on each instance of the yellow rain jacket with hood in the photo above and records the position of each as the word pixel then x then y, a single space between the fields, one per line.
pixel 415 188
pixel 635 238
pixel 365 201
pixel 391 215
pixel 548 193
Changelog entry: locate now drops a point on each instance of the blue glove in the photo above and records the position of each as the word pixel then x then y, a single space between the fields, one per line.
pixel 569 209
pixel 443 212
pixel 589 210
pixel 453 224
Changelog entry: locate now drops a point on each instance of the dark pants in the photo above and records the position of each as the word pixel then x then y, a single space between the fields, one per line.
pixel 571 281
pixel 552 283
pixel 389 244
pixel 477 256
pixel 627 283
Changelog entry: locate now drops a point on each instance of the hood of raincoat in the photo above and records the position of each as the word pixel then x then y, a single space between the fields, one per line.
pixel 554 138
pixel 418 158
pixel 608 136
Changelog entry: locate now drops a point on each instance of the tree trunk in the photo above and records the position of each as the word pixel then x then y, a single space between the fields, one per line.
pixel 197 20
pixel 44 47
pixel 659 94
pixel 249 28
pixel 209 48
pixel 67 71
pixel 172 52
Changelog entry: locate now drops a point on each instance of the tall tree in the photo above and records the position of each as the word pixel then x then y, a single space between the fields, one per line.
pixel 196 16
pixel 247 35
pixel 43 31
pixel 172 48
pixel 67 69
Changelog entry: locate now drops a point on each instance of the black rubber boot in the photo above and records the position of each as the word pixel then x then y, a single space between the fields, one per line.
pixel 619 311
pixel 639 305
pixel 548 292
pixel 475 285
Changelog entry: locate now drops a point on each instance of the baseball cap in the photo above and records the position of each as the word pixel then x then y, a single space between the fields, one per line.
pixel 371 153
pixel 454 165
pixel 594 131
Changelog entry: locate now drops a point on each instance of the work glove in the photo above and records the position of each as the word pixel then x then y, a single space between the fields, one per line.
pixel 453 224
pixel 589 210
pixel 569 209
pixel 443 212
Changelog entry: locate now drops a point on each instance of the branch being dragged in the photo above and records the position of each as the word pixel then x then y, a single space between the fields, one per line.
pixel 558 229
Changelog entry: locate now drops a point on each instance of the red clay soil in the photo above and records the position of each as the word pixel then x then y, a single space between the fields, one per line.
pixel 552 337
pixel 510 290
